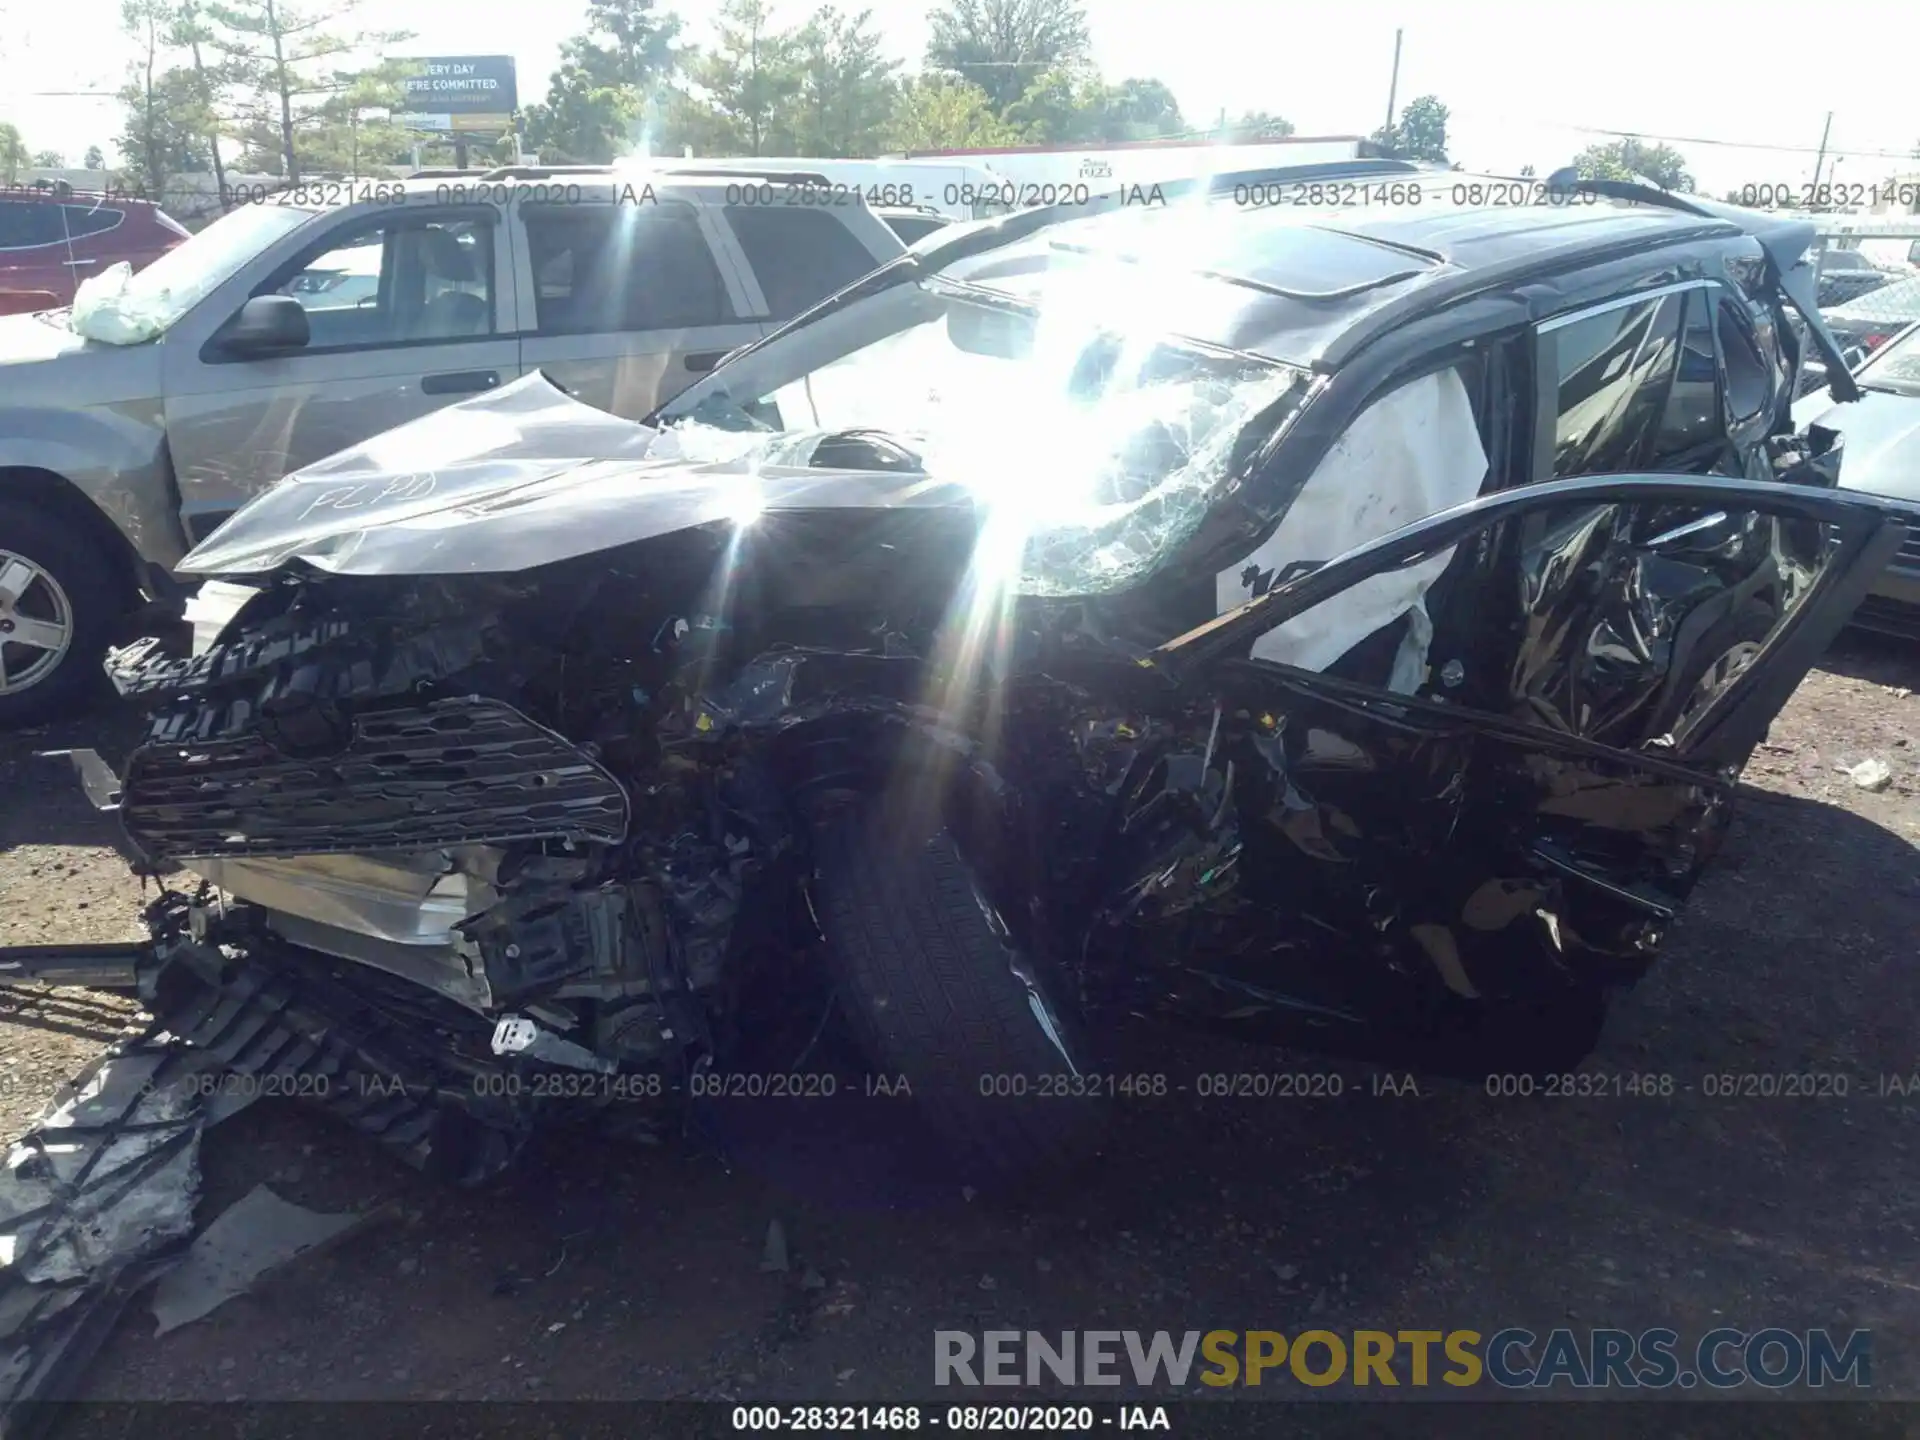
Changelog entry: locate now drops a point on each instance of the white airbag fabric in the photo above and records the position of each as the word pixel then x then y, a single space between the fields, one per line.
pixel 1411 453
pixel 103 311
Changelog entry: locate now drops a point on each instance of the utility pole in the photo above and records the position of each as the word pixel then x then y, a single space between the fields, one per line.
pixel 1821 158
pixel 1393 85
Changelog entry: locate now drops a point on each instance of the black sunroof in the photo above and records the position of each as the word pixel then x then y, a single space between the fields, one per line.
pixel 1273 251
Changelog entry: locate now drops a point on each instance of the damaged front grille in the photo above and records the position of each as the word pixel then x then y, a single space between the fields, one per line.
pixel 333 660
pixel 460 771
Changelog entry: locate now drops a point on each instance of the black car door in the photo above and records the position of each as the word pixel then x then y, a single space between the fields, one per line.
pixel 1380 870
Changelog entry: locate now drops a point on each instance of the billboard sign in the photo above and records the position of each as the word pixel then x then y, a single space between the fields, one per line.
pixel 461 93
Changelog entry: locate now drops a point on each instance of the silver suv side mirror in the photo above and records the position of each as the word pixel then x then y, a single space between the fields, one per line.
pixel 266 323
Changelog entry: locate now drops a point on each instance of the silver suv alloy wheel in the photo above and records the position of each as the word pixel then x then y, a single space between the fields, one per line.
pixel 36 623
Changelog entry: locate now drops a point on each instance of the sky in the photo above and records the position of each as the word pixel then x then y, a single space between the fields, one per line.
pixel 1526 83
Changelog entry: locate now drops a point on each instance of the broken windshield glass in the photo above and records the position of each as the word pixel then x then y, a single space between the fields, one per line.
pixel 1094 452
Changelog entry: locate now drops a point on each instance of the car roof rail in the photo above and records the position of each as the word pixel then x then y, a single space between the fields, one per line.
pixel 726 172
pixel 1642 189
pixel 45 189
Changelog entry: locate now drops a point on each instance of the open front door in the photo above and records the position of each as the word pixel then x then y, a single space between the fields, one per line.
pixel 1453 874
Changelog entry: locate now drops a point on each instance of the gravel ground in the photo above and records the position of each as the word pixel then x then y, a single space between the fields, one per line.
pixel 605 1269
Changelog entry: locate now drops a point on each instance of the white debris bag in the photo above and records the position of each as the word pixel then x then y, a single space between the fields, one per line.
pixel 104 311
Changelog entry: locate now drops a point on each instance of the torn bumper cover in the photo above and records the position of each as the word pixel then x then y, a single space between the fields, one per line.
pixel 96 1199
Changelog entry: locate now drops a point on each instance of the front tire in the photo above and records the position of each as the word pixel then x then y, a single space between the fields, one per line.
pixel 925 973
pixel 58 605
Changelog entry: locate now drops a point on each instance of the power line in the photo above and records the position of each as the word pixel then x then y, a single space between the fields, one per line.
pixel 1200 132
pixel 1685 139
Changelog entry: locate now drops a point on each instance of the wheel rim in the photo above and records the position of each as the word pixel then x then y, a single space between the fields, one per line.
pixel 36 623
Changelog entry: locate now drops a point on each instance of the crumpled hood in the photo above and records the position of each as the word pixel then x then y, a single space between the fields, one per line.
pixel 1882 432
pixel 520 477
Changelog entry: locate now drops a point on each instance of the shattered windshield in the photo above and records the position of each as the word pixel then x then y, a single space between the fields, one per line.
pixel 152 299
pixel 1095 453
pixel 1896 367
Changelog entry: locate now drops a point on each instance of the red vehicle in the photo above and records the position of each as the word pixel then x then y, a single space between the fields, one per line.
pixel 53 237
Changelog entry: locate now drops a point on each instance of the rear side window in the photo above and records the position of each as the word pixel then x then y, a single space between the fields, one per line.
pixel 85 220
pixel 800 256
pixel 598 269
pixel 29 224
pixel 1748 381
pixel 1692 425
pixel 914 227
pixel 1613 372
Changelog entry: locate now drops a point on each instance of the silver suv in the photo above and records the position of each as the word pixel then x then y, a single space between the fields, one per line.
pixel 295 327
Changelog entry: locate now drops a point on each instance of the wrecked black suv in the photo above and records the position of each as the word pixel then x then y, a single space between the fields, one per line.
pixel 1338 629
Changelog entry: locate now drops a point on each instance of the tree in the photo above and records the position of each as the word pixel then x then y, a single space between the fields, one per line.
pixel 938 112
pixel 642 45
pixel 1068 106
pixel 149 138
pixel 49 160
pixel 1254 125
pixel 1058 108
pixel 610 76
pixel 191 31
pixel 847 86
pixel 1138 109
pixel 1003 46
pixel 164 130
pixel 745 88
pixel 1419 134
pixel 94 160
pixel 1631 159
pixel 284 64
pixel 354 126
pixel 13 153
pixel 581 120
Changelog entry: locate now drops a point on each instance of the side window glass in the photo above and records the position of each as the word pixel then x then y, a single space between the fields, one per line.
pixel 396 284
pixel 1692 423
pixel 1614 371
pixel 799 256
pixel 1579 621
pixel 598 270
pixel 913 227
pixel 1748 380
pixel 674 281
pixel 343 278
pixel 26 225
pixel 85 220
pixel 562 245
